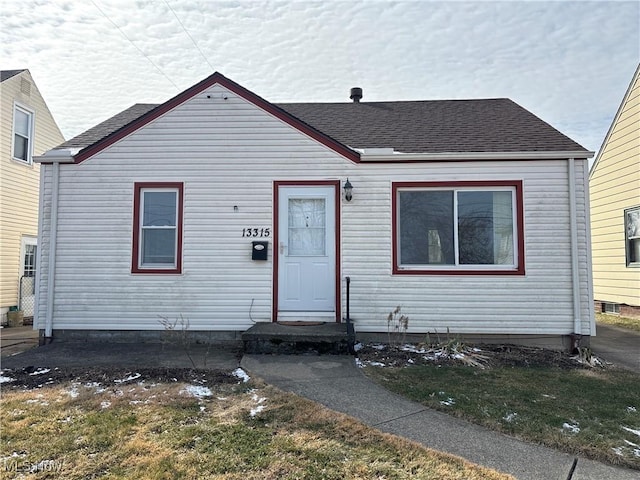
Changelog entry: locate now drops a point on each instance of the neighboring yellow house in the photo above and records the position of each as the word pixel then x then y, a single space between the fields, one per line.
pixel 614 182
pixel 26 129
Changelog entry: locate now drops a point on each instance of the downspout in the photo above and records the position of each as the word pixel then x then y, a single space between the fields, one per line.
pixel 53 240
pixel 36 306
pixel 575 268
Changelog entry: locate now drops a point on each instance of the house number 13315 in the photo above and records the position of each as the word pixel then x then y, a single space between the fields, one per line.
pixel 256 232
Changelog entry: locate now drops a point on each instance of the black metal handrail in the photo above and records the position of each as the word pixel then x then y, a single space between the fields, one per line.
pixel 351 333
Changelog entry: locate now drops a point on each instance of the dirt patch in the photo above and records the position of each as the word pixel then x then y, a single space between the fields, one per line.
pixel 483 356
pixel 33 377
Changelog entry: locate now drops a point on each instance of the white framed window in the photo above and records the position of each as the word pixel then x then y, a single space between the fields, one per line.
pixel 22 146
pixel 458 227
pixel 632 236
pixel 157 239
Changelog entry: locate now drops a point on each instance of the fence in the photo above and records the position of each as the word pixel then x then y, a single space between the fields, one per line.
pixel 27 296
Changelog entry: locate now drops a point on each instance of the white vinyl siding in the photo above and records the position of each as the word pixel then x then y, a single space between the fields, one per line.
pixel 228 153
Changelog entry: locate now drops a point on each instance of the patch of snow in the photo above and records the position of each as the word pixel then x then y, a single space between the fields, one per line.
pixel 241 374
pixel 105 404
pixel 197 391
pixel 129 378
pixel 256 411
pixel 571 427
pixel 412 349
pixel 378 346
pixel 548 396
pixel 40 371
pixel 618 451
pixel 221 398
pixel 631 443
pixel 359 363
pixel 510 417
pixel 631 409
pixel 73 392
pixel 448 402
pixel 260 407
pixel 376 364
pixel 357 347
pixel 4 379
pixel 631 430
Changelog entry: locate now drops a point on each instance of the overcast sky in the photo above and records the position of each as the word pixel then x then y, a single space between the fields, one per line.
pixel 570 63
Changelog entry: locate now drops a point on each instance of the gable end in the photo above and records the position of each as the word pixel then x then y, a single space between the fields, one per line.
pixel 216 78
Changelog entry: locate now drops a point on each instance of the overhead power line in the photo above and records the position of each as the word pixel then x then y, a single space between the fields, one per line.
pixel 189 35
pixel 131 42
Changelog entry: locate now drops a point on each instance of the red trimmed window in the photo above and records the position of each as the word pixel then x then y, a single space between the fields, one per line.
pixel 157 228
pixel 458 228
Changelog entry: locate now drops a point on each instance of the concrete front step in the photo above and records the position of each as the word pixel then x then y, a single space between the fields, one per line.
pixel 297 338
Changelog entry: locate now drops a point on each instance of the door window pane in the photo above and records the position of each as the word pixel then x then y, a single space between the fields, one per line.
pixel 307 227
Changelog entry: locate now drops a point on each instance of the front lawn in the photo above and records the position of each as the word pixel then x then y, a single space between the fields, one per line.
pixel 593 412
pixel 132 426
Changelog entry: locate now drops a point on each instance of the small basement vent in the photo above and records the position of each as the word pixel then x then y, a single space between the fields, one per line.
pixel 25 87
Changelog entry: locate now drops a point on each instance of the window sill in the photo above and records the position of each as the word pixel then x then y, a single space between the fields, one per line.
pixel 457 271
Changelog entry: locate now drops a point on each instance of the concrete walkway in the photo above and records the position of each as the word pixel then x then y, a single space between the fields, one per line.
pixel 339 385
pixel 619 346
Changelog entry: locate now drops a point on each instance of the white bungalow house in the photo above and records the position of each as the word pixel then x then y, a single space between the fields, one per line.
pixel 222 208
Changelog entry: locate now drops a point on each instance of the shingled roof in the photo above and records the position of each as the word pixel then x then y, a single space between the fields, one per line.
pixel 433 126
pixel 7 74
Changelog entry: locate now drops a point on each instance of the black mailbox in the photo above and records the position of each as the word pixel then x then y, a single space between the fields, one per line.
pixel 259 250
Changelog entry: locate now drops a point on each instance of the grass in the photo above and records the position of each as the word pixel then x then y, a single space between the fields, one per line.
pixel 618 321
pixel 160 431
pixel 595 413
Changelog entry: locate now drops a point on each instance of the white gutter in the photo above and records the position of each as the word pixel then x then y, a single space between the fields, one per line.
pixel 575 268
pixel 55 157
pixel 393 156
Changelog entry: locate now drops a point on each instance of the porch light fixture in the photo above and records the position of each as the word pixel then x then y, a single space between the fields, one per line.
pixel 348 190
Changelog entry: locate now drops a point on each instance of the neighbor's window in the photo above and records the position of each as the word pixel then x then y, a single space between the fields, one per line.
pixel 22 134
pixel 462 227
pixel 632 236
pixel 157 240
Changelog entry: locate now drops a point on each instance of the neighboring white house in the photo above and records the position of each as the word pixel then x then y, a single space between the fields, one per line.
pixel 470 214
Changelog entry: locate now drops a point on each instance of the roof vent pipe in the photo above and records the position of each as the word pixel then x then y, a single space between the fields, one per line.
pixel 356 94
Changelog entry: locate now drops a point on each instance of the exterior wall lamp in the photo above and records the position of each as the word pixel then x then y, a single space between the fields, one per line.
pixel 348 190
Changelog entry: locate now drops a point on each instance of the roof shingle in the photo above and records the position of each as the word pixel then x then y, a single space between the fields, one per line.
pixel 432 126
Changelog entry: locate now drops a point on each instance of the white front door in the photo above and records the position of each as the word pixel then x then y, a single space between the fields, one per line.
pixel 306 249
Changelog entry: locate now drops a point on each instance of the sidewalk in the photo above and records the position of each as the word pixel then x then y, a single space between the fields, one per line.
pixel 335 381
